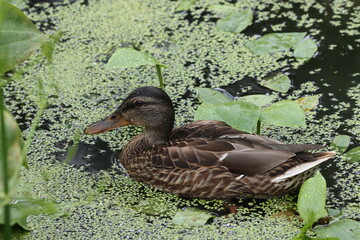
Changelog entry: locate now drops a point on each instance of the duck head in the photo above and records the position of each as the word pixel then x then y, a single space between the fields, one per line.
pixel 149 107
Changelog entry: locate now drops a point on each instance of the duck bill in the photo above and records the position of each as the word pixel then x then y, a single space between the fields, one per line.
pixel 111 122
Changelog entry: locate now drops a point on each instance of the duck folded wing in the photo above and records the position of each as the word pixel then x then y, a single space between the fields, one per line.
pixel 241 156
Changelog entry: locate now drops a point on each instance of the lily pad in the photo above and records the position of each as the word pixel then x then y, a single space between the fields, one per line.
pixel 236 22
pixel 240 115
pixel 208 95
pixel 185 5
pixel 341 143
pixel 280 83
pixel 192 217
pixel 344 229
pixel 305 49
pixel 353 155
pixel 259 100
pixel 309 102
pixel 19 37
pixel 274 42
pixel 129 57
pixel 284 113
pixel 311 199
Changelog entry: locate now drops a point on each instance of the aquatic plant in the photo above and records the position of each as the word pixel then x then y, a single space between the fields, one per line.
pixel 19 38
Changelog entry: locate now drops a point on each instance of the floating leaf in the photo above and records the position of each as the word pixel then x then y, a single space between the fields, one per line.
pixel 185 5
pixel 22 208
pixel 259 100
pixel 274 42
pixel 208 95
pixel 353 155
pixel 344 229
pixel 341 143
pixel 305 49
pixel 240 115
pixel 309 102
pixel 152 206
pixel 311 199
pixel 284 113
pixel 222 9
pixel 129 57
pixel 18 37
pixel 236 22
pixel 192 217
pixel 279 83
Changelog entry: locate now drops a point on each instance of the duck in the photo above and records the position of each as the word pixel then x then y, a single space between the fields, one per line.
pixel 205 158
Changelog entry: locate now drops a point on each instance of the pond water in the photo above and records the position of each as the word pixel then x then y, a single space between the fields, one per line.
pixel 97 204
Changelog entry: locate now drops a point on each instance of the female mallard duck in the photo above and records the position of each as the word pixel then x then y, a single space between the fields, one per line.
pixel 206 159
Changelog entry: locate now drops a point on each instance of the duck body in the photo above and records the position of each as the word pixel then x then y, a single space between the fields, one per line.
pixel 206 158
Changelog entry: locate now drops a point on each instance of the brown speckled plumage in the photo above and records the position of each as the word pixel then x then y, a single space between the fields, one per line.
pixel 206 158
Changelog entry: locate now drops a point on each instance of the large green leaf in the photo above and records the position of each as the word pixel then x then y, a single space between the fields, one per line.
pixel 353 155
pixel 341 143
pixel 240 115
pixel 279 83
pixel 192 217
pixel 311 199
pixel 14 159
pixel 285 113
pixel 236 22
pixel 274 42
pixel 305 49
pixel 208 95
pixel 344 229
pixel 18 37
pixel 259 100
pixel 129 57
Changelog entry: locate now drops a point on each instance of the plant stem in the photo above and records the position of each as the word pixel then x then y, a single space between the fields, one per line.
pixel 3 154
pixel 258 126
pixel 161 81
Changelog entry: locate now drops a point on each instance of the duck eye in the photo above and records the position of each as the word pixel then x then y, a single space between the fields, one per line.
pixel 138 103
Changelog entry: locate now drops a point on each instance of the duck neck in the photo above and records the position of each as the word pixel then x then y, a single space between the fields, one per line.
pixel 147 139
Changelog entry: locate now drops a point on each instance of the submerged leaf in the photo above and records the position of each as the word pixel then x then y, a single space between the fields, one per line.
pixel 353 155
pixel 259 100
pixel 311 199
pixel 279 83
pixel 344 229
pixel 309 102
pixel 305 49
pixel 192 217
pixel 208 95
pixel 341 143
pixel 22 208
pixel 240 115
pixel 129 57
pixel 274 42
pixel 284 113
pixel 19 37
pixel 185 5
pixel 236 22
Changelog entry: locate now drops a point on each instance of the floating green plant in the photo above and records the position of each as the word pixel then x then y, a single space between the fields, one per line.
pixel 192 217
pixel 245 115
pixel 129 57
pixel 236 22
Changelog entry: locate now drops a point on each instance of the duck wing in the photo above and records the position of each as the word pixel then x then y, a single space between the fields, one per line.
pixel 239 156
pixel 207 143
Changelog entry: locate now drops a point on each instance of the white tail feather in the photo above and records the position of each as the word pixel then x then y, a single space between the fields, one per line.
pixel 302 168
